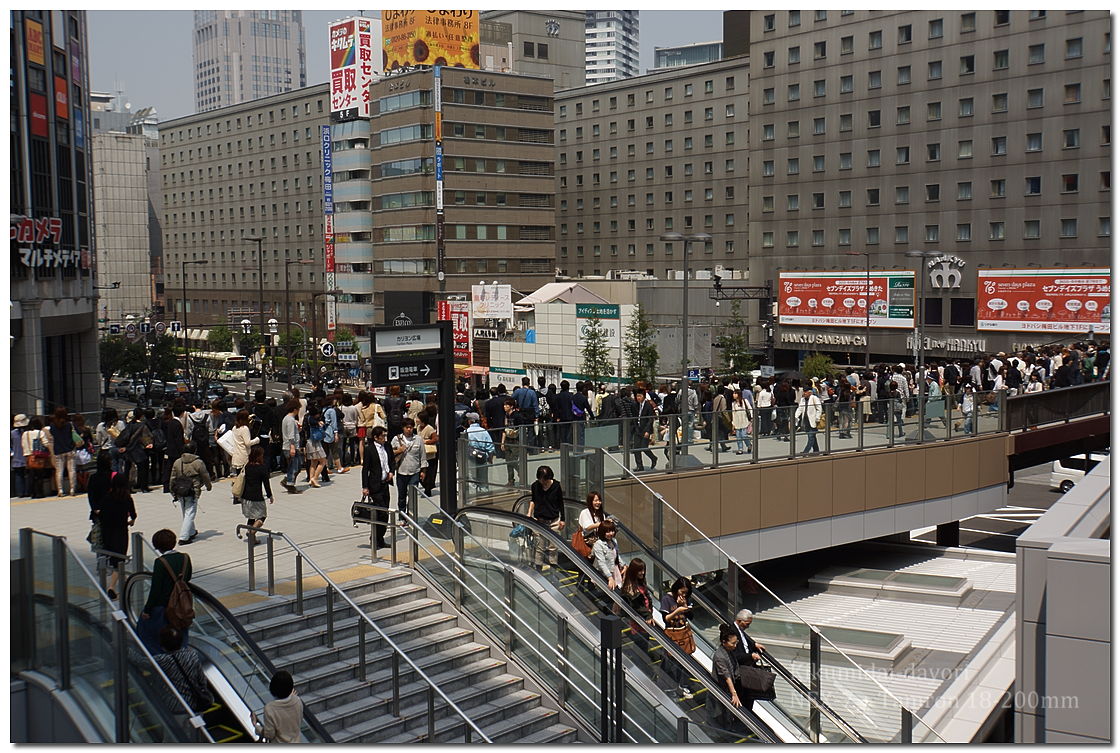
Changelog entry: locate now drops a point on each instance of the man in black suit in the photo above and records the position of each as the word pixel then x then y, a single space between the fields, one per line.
pixel 746 653
pixel 495 411
pixel 644 430
pixel 377 479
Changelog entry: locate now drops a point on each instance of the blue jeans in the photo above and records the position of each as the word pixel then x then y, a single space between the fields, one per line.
pixel 293 467
pixel 811 443
pixel 190 509
pixel 403 482
pixel 20 486
pixel 742 440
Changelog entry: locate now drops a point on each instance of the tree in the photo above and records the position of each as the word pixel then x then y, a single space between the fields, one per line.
pixel 818 365
pixel 220 339
pixel 344 334
pixel 119 356
pixel 641 353
pixel 249 342
pixel 734 341
pixel 597 364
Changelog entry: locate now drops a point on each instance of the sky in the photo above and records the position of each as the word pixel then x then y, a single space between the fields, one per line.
pixel 147 54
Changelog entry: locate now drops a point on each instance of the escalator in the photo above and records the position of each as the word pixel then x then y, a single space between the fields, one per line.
pixel 237 671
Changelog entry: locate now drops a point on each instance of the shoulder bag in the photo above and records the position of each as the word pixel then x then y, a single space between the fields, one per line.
pixel 578 544
pixel 238 484
pixel 758 681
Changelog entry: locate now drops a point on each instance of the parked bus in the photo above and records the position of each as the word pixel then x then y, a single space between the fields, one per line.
pixel 227 367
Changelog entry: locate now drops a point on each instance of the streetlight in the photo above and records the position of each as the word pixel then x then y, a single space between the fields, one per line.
pixel 260 297
pixel 682 395
pixel 288 311
pixel 186 333
pixel 867 309
pixel 315 327
pixel 919 337
pixel 274 328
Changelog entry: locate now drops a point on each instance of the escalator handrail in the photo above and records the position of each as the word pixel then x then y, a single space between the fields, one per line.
pixel 813 628
pixel 259 655
pixel 384 636
pixel 193 717
pixel 699 598
pixel 699 673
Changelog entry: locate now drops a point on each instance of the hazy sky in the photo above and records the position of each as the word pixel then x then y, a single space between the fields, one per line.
pixel 147 54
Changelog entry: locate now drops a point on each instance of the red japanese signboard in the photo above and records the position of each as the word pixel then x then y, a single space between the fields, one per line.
pixel 839 299
pixel 459 314
pixel 1044 300
pixel 352 66
pixel 39 123
pixel 61 100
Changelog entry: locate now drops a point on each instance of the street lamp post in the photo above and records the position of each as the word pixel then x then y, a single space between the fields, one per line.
pixel 919 338
pixel 288 311
pixel 260 300
pixel 867 309
pixel 186 332
pixel 315 328
pixel 682 394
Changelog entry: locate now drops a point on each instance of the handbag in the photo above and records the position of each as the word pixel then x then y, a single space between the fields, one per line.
pixel 227 442
pixel 430 450
pixel 758 681
pixel 76 438
pixel 238 485
pixel 682 636
pixel 83 457
pixel 578 543
pixel 479 455
pixel 94 535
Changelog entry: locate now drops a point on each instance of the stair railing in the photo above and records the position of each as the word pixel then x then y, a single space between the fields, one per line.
pixel 364 623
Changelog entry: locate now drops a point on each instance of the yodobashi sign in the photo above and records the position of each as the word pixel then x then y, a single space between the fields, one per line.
pixel 1044 300
pixel 609 322
pixel 491 302
pixel 840 299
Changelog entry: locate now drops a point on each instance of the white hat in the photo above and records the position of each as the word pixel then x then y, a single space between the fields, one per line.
pixel 20 421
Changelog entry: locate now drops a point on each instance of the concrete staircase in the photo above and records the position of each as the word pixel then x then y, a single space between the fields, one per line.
pixel 354 711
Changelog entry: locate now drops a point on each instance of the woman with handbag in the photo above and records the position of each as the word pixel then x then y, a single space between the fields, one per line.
pixel 741 415
pixel 64 442
pixel 370 414
pixel 316 455
pixel 37 452
pixel 253 505
pixel 636 591
pixel 430 437
pixel 20 486
pixel 243 441
pixel 589 519
pixel 675 608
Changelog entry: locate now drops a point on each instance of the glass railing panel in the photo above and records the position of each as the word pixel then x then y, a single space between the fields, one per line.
pixel 43 600
pixel 773 433
pixel 987 412
pixel 878 425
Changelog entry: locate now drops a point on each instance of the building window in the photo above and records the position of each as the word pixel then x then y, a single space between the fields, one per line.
pixel 1033 185
pixel 767 62
pixel 847 45
pixel 999 146
pixel 875 40
pixel 528 49
pixel 794 93
pixel 793 129
pixel 768 168
pixel 819 50
pixel 818 163
pixel 964 190
pixel 793 202
pixel 845 122
pixel 902 117
pixel 933 152
pixel 1073 94
pixel 1036 54
pixel 966 107
pixel 872 236
pixel 1071 138
pixel 999 188
pixel 1000 60
pixel 968 64
pixel 767 203
pixel 1069 228
pixel 792 237
pixel 794 18
pixel 964 232
pixel 844 199
pixel 873 119
pixel 818 126
pixel 999 102
pixel 1003 17
pixel 1034 98
pixel 875 80
pixel 768 239
pixel 818 200
pixel 873 158
pixel 768 22
pixel 1032 229
pixel 768 96
pixel 936 28
pixel 818 237
pixel 964 149
pixel 934 70
pixel 933 111
pixel 996 231
pixel 968 22
pixel 902 155
pixel 1104 227
pixel 818 88
pixel 902 194
pixel 845 160
pixel 933 233
pixel 903 75
pixel 901 234
pixel 768 132
pixel 793 55
pixel 905 34
pixel 793 166
pixel 844 236
pixel 846 84
pixel 1070 182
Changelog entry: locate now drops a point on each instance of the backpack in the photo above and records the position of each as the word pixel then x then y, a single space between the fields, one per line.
pixel 543 409
pixel 183 485
pixel 200 433
pixel 180 604
pixel 609 407
pixel 394 409
pixel 159 439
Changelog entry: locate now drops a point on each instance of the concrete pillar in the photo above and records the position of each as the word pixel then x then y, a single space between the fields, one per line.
pixel 27 361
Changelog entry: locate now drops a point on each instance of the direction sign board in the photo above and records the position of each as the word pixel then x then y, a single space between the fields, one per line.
pixel 348 357
pixel 145 327
pixel 693 374
pixel 327 349
pixel 161 327
pixel 404 339
pixel 767 371
pixel 114 329
pixel 176 326
pixel 131 332
pixel 408 370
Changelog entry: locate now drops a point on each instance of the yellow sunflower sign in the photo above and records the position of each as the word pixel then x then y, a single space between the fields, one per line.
pixel 430 37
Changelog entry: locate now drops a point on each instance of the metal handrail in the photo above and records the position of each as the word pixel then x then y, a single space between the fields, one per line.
pixel 121 622
pixel 813 628
pixel 625 608
pixel 365 619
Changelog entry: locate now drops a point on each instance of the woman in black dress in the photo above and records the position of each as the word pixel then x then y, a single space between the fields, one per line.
pixel 116 511
pixel 253 495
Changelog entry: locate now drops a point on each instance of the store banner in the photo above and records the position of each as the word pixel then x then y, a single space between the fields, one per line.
pixel 430 37
pixel 39 123
pixel 840 299
pixel 491 302
pixel 352 67
pixel 36 52
pixel 459 314
pixel 61 100
pixel 1044 300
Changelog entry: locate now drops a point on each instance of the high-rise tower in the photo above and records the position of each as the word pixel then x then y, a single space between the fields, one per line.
pixel 612 45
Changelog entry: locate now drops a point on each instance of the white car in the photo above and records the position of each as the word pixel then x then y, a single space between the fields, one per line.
pixel 1068 471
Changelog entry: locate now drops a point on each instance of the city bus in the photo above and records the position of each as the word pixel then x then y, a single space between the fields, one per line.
pixel 227 367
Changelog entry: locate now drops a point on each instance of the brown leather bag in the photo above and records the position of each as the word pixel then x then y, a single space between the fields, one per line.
pixel 581 547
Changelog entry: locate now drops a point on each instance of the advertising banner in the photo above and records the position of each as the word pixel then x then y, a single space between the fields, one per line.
pixel 61 100
pixel 609 322
pixel 36 53
pixel 430 37
pixel 1044 300
pixel 328 229
pixel 459 314
pixel 840 299
pixel 39 125
pixel 352 67
pixel 491 302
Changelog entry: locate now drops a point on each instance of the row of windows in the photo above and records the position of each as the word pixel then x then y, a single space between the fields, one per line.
pixel 466 164
pixel 407 233
pixel 282 185
pixel 632 175
pixel 997 231
pixel 1035 96
pixel 215 150
pixel 688 143
pixel 1032 186
pixel 186 134
pixel 905 32
pixel 463 266
pixel 632 249
pixel 212 236
pixel 667 96
pixel 902 156
pixel 1071 137
pixel 631 225
pixel 631 201
pixel 631 124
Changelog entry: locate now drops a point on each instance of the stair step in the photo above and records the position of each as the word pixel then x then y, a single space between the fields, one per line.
pixel 371 603
pixel 413 726
pixel 316 598
pixel 554 733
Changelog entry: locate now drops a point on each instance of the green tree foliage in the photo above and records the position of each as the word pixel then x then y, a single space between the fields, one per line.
pixel 343 334
pixel 597 364
pixel 119 356
pixel 641 352
pixel 249 342
pixel 734 342
pixel 818 365
pixel 220 339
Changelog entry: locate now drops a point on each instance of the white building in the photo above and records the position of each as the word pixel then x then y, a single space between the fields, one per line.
pixel 611 45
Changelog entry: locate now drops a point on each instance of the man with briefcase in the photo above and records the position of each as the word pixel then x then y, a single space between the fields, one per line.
pixel 755 681
pixel 377 479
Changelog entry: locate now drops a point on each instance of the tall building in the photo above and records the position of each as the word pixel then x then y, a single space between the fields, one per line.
pixel 663 152
pixel 696 53
pixel 499 193
pixel 249 170
pixel 984 136
pixel 241 55
pixel 612 45
pixel 542 43
pixel 53 301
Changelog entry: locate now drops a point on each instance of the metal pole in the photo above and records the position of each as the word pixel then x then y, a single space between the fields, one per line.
pixel 299 584
pixel 907 731
pixel 260 312
pixel 330 616
pixel 186 337
pixel 682 397
pixel 61 614
pixel 120 682
pixel 815 684
pixel 271 566
pixel 362 648
pixel 287 318
pixel 431 714
pixel 314 339
pixel 920 377
pixel 867 315
pixel 395 705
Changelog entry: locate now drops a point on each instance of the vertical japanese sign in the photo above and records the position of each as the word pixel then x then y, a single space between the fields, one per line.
pixel 1044 300
pixel 328 227
pixel 39 126
pixel 459 314
pixel 36 53
pixel 352 67
pixel 61 101
pixel 437 101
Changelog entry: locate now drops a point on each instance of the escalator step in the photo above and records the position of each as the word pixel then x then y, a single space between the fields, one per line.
pixel 231 734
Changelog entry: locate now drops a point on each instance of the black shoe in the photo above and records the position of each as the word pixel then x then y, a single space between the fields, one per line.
pixel 640 469
pixel 382 544
pixel 184 542
pixel 112 593
pixel 193 536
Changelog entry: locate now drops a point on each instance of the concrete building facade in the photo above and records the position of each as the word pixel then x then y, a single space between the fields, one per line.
pixel 985 135
pixel 242 55
pixel 253 169
pixel 546 43
pixel 696 53
pixel 612 45
pixel 663 152
pixel 53 300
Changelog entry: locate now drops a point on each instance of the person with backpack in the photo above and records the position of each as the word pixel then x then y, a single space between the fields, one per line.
pixel 394 412
pixel 332 435
pixel 188 475
pixel 106 434
pixel 171 572
pixel 196 428
pixel 183 666
pixel 316 456
pixel 37 454
pixel 527 402
pixel 133 444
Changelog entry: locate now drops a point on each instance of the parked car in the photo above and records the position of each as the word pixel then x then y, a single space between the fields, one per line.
pixel 122 388
pixel 253 374
pixel 1068 471
pixel 217 388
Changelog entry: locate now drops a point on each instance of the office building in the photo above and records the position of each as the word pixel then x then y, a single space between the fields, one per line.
pixel 249 170
pixel 612 45
pixel 636 158
pixel 499 192
pixel 687 54
pixel 53 300
pixel 984 136
pixel 242 55
pixel 542 43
